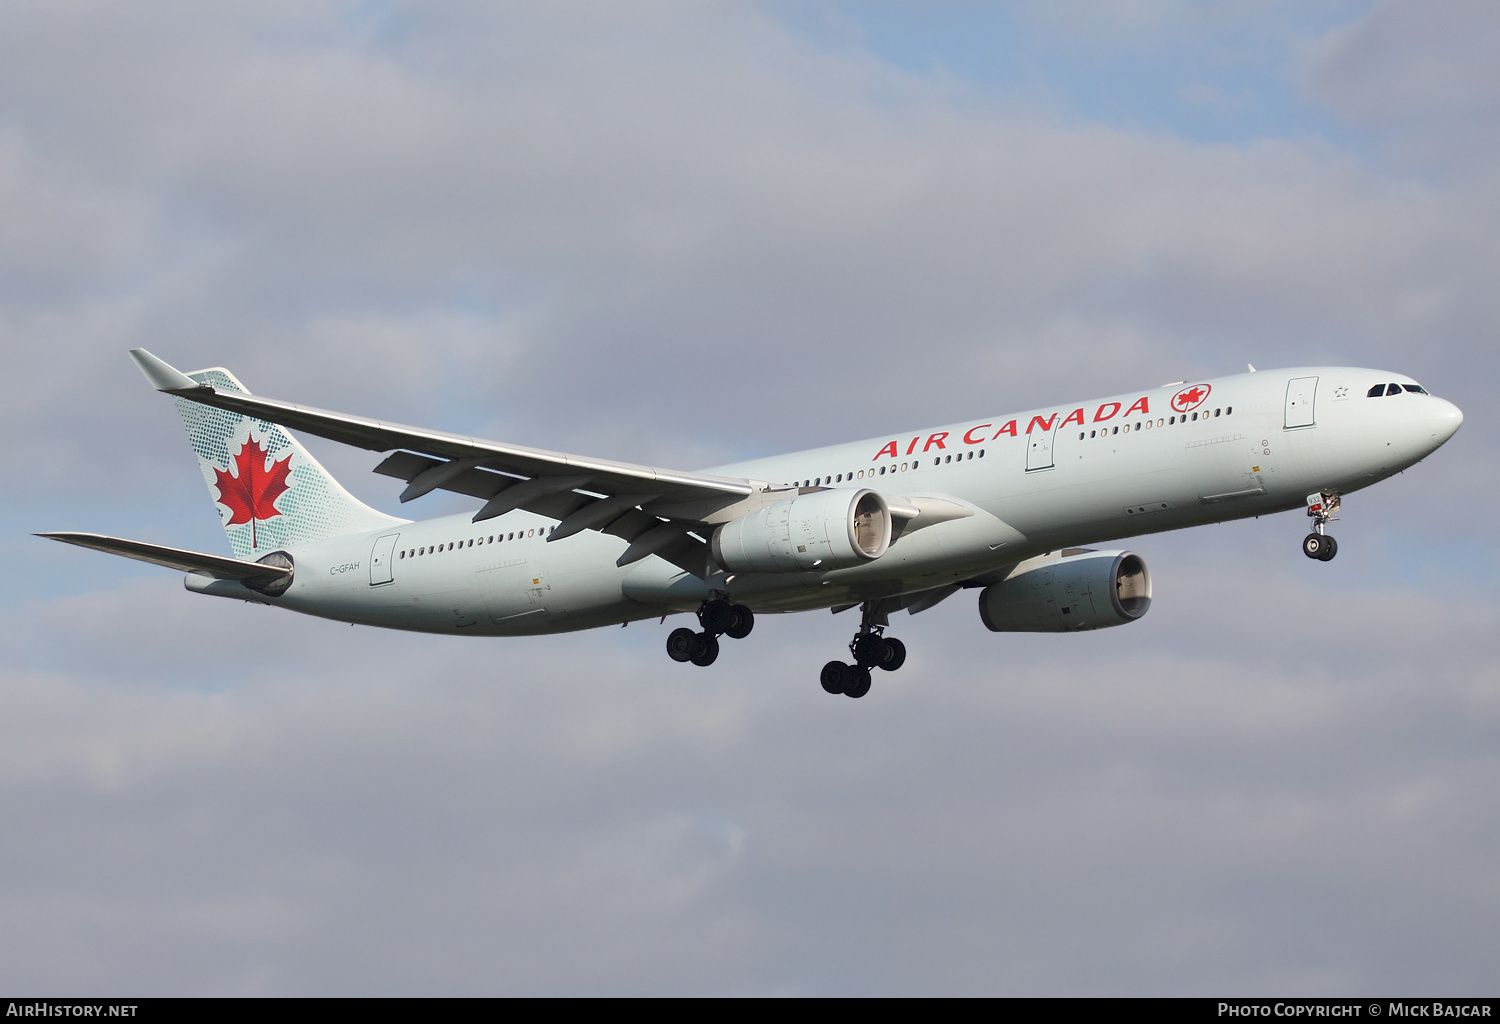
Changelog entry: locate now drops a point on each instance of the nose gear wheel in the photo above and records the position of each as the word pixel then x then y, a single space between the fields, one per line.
pixel 1321 507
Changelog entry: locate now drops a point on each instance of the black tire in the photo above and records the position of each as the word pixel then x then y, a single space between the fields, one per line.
pixel 681 644
pixel 742 623
pixel 716 616
pixel 859 685
pixel 833 677
pixel 1313 545
pixel 708 650
pixel 893 655
pixel 1331 548
pixel 868 650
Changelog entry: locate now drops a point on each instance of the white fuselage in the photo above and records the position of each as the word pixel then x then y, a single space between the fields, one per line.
pixel 1037 481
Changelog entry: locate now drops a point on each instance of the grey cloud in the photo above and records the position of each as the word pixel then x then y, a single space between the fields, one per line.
pixel 679 234
pixel 1169 808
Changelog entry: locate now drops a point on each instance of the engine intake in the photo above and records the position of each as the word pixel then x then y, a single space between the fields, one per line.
pixel 1052 594
pixel 831 529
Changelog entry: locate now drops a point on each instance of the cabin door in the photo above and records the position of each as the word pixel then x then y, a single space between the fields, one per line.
pixel 1301 394
pixel 380 559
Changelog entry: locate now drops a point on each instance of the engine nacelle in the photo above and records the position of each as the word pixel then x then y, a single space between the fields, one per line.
pixel 820 530
pixel 1061 594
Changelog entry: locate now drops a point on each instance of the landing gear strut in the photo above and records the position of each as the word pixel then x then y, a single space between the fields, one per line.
pixel 870 648
pixel 1321 507
pixel 717 617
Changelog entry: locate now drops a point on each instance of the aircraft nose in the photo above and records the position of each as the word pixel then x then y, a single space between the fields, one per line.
pixel 1444 419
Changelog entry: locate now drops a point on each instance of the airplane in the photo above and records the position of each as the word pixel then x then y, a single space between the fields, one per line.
pixel 1001 504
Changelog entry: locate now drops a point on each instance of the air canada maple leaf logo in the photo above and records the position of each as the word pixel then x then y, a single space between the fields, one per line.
pixel 1190 398
pixel 251 495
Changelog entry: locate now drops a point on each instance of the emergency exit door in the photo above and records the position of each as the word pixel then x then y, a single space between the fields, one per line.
pixel 1039 447
pixel 380 559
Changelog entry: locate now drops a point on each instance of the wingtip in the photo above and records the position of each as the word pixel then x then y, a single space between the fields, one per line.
pixel 161 375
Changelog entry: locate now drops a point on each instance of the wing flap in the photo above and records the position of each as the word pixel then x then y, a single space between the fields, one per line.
pixel 380 436
pixel 543 482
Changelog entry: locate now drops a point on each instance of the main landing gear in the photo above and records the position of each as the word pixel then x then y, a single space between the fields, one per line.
pixel 870 649
pixel 1321 507
pixel 717 617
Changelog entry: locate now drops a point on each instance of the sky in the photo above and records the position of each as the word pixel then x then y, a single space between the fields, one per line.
pixel 684 234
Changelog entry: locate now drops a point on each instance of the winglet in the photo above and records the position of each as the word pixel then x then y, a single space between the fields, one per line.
pixel 162 376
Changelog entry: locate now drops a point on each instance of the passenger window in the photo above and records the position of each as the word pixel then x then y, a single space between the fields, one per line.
pixel 1228 410
pixel 1393 389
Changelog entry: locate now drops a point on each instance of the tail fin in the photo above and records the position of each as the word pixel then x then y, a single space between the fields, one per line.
pixel 270 492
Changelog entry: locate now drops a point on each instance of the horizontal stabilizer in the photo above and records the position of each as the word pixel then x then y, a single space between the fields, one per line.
pixel 177 558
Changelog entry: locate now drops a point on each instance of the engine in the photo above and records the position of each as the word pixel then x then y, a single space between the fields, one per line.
pixel 820 530
pixel 1061 594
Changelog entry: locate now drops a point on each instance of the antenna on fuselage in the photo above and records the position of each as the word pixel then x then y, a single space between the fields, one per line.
pixel 1251 368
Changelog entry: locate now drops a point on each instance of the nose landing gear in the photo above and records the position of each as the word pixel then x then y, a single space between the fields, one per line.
pixel 1321 507
pixel 717 616
pixel 870 648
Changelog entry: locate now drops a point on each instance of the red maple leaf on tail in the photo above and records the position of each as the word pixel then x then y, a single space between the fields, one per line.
pixel 252 495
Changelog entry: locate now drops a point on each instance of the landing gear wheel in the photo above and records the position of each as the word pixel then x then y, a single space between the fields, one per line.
pixel 860 684
pixel 1331 548
pixel 868 649
pixel 1314 544
pixel 892 654
pixel 833 677
pixel 741 622
pixel 707 649
pixel 716 616
pixel 681 644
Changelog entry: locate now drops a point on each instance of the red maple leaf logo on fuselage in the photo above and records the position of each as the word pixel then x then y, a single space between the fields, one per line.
pixel 252 495
pixel 1191 397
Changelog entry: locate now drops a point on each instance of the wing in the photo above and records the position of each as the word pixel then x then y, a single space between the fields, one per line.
pixel 655 510
pixel 255 574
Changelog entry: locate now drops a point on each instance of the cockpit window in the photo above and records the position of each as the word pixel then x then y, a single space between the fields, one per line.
pixel 1415 389
pixel 1393 389
pixel 1376 392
